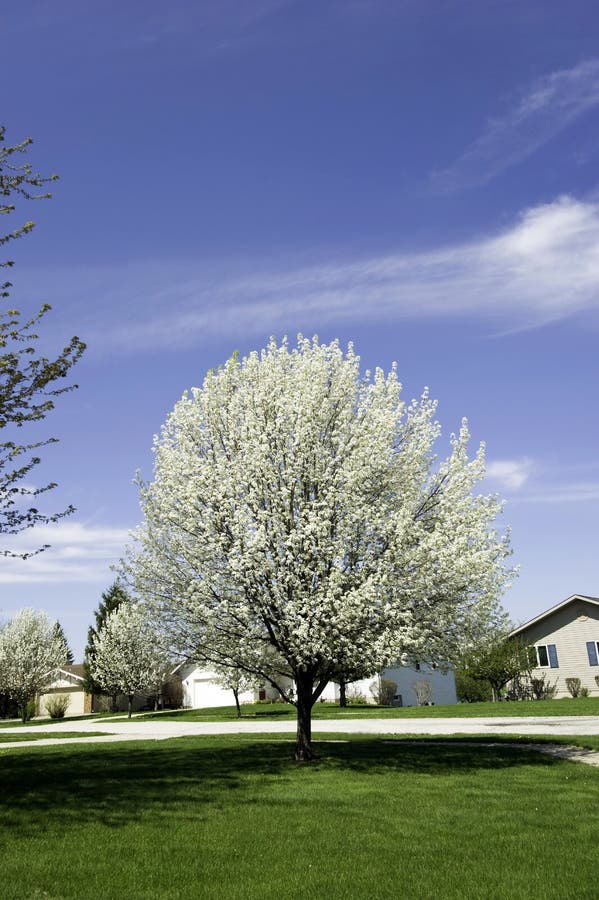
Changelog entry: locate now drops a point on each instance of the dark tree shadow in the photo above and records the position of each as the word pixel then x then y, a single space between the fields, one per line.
pixel 116 783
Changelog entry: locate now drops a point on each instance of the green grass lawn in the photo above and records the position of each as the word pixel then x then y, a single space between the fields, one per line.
pixel 42 736
pixel 234 817
pixel 588 706
pixel 46 720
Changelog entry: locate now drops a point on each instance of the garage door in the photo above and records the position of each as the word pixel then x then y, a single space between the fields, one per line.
pixel 208 693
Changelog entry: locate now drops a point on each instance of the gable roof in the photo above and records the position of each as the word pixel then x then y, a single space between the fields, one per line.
pixel 553 609
pixel 76 671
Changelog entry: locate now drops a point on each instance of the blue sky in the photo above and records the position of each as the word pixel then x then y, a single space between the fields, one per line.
pixel 418 177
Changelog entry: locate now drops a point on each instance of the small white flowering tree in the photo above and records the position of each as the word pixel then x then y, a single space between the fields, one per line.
pixel 236 681
pixel 298 516
pixel 127 656
pixel 30 652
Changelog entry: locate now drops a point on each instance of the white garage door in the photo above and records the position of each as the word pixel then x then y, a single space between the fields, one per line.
pixel 207 693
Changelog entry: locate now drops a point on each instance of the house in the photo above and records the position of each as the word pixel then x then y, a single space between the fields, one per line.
pixel 436 683
pixel 566 643
pixel 201 690
pixel 66 680
pixel 69 680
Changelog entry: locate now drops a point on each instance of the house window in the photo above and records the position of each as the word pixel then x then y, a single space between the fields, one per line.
pixel 593 652
pixel 547 656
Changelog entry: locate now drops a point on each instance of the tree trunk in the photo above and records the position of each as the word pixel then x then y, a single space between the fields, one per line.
pixel 24 712
pixel 129 704
pixel 236 695
pixel 304 703
pixel 342 693
pixel 113 705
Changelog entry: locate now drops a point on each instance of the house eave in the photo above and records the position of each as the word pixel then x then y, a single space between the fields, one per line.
pixel 548 612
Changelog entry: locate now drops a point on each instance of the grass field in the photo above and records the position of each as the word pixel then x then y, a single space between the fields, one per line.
pixel 46 720
pixel 234 817
pixel 588 706
pixel 41 736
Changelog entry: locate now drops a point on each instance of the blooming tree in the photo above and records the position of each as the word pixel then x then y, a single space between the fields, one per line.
pixel 29 381
pixel 127 656
pixel 111 600
pixel 299 524
pixel 238 682
pixel 30 651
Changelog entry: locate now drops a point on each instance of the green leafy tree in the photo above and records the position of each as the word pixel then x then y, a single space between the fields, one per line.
pixel 27 379
pixel 114 597
pixel 470 689
pixel 498 662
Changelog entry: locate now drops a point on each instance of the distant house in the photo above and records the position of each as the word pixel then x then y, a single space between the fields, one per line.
pixel 566 642
pixel 67 680
pixel 201 690
pixel 441 684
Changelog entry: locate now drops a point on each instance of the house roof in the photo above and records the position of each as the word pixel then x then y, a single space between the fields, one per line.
pixel 553 609
pixel 76 671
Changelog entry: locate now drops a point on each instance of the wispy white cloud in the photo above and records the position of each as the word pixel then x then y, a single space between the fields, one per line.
pixel 543 268
pixel 549 106
pixel 77 553
pixel 510 473
pixel 569 492
pixel 526 480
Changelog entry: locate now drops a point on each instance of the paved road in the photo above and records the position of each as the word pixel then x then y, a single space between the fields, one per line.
pixel 161 729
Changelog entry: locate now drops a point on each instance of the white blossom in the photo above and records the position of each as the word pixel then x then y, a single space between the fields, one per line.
pixel 30 652
pixel 299 524
pixel 128 657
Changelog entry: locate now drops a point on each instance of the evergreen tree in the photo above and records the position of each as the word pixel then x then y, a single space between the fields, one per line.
pixel 59 633
pixel 114 597
pixel 26 378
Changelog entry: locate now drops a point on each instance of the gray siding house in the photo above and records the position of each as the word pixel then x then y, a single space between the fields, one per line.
pixel 566 642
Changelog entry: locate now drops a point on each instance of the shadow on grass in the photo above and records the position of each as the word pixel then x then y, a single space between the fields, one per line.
pixel 118 784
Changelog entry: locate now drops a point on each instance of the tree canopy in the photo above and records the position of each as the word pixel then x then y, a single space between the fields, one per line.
pixel 28 380
pixel 499 660
pixel 299 524
pixel 111 600
pixel 127 658
pixel 30 651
